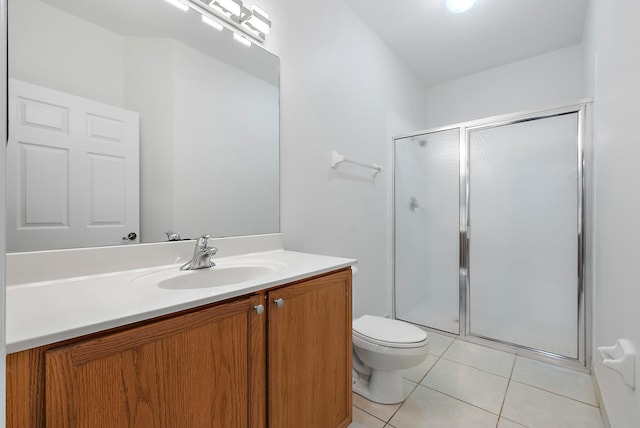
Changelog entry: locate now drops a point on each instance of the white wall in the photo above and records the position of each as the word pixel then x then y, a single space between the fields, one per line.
pixel 192 134
pixel 230 122
pixel 149 89
pixel 541 81
pixel 612 68
pixel 46 61
pixel 339 83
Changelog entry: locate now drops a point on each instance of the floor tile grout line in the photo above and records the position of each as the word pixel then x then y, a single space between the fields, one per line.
pixel 506 391
pixel 515 422
pixel 396 411
pixel 474 367
pixel 597 405
pixel 486 348
pixel 465 365
pixel 370 414
pixel 427 372
pixel 462 401
pixel 402 404
pixel 555 393
pixel 438 357
pixel 418 384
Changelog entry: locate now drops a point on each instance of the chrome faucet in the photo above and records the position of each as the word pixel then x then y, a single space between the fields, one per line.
pixel 201 255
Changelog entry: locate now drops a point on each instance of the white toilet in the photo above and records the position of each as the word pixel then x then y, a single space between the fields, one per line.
pixel 381 348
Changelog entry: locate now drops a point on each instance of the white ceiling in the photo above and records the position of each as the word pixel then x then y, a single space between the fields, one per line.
pixel 439 45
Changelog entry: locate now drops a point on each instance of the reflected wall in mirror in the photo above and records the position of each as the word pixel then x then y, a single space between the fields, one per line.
pixel 90 80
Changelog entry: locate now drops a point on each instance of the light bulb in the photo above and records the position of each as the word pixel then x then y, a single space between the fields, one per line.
pixel 242 39
pixel 212 23
pixel 459 6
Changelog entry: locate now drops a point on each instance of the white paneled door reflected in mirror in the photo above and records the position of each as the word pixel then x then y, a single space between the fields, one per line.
pixel 136 118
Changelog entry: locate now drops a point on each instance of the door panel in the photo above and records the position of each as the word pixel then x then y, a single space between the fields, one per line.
pixel 523 226
pixel 194 370
pixel 309 353
pixel 426 230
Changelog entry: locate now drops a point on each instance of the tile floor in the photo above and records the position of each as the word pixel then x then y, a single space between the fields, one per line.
pixel 466 385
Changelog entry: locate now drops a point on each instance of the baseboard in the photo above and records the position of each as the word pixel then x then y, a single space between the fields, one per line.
pixel 603 409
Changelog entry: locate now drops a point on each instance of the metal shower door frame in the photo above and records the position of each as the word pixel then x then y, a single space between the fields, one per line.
pixel 583 294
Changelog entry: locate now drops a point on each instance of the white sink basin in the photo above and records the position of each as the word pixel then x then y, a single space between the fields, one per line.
pixel 223 273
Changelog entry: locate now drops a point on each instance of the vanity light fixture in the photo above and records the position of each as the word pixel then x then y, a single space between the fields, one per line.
pixel 183 7
pixel 227 7
pixel 242 39
pixel 258 20
pixel 212 23
pixel 459 6
pixel 232 14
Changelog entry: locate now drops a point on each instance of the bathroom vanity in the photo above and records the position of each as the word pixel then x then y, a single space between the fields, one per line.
pixel 274 351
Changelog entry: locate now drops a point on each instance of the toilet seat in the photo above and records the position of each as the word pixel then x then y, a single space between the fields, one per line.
pixel 388 332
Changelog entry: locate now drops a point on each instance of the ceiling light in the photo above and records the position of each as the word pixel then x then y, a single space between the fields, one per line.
pixel 231 7
pixel 178 4
pixel 459 6
pixel 242 39
pixel 212 23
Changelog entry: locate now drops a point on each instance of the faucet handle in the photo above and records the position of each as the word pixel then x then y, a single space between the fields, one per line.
pixel 172 236
pixel 203 241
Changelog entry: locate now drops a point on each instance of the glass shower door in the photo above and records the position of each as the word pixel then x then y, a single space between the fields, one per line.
pixel 426 230
pixel 523 234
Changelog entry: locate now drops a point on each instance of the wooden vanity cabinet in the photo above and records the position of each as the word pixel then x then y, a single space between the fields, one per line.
pixel 222 365
pixel 309 353
pixel 189 371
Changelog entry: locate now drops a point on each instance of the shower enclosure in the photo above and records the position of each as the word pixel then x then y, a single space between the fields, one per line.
pixel 488 240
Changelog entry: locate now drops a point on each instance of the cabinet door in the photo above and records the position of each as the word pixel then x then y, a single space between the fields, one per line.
pixel 309 353
pixel 193 370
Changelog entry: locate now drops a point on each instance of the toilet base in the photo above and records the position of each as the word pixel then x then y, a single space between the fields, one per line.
pixel 380 387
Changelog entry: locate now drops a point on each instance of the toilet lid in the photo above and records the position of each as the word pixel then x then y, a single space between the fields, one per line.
pixel 388 330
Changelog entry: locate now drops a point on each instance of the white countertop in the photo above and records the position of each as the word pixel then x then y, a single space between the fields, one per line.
pixel 44 312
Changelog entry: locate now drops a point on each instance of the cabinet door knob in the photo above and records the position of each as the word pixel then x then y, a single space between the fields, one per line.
pixel 259 309
pixel 279 302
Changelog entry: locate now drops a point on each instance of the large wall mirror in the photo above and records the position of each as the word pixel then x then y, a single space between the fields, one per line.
pixel 129 119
